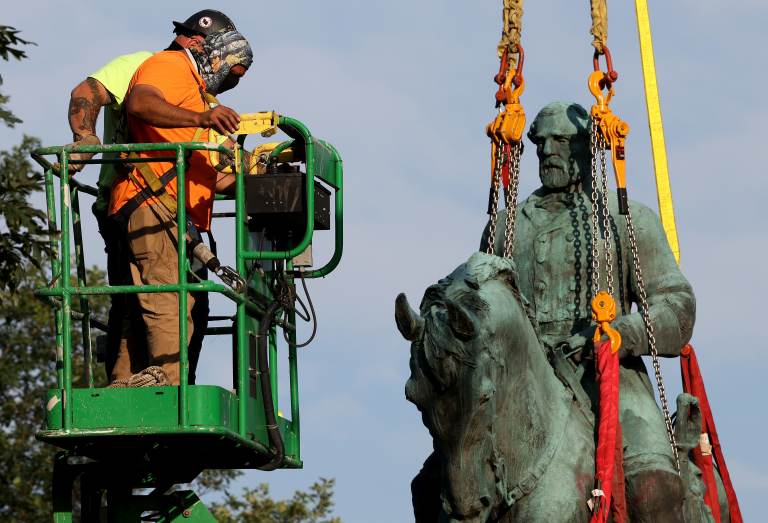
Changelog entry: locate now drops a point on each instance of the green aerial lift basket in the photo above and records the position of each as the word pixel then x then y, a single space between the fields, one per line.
pixel 162 435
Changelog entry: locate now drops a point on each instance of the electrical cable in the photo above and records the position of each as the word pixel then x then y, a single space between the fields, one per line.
pixel 266 389
pixel 311 315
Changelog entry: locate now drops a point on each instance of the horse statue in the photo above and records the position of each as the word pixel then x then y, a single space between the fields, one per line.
pixel 512 442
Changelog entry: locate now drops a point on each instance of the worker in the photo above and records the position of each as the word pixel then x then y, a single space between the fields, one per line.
pixel 165 103
pixel 107 88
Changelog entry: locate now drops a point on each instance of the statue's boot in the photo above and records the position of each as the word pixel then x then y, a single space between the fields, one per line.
pixel 654 496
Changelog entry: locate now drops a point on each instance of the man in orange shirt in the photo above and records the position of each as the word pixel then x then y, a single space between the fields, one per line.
pixel 165 103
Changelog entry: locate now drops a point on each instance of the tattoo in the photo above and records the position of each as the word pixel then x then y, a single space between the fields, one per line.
pixel 85 106
pixel 82 116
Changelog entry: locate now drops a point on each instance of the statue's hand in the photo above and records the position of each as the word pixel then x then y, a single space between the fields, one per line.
pixel 580 345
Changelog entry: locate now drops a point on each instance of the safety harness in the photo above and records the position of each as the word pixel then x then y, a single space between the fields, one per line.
pixel 155 187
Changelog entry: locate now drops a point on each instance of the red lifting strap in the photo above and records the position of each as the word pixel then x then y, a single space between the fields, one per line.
pixel 693 384
pixel 608 454
pixel 507 153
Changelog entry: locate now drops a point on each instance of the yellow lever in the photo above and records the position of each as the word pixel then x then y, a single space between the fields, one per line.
pixel 614 131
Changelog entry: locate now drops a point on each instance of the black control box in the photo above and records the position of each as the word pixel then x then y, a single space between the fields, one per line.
pixel 276 203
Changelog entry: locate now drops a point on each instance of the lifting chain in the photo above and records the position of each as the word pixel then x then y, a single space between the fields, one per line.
pixel 506 133
pixel 645 313
pixel 603 304
pixel 493 200
pixel 609 131
pixel 513 167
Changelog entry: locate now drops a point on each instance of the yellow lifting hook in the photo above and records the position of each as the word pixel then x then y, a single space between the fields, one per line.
pixel 612 129
pixel 509 124
pixel 604 312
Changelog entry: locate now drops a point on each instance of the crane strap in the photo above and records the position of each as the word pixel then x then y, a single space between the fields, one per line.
pixel 693 383
pixel 608 490
pixel 599 30
pixel 510 31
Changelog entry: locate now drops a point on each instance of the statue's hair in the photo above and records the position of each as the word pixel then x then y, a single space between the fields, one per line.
pixel 577 115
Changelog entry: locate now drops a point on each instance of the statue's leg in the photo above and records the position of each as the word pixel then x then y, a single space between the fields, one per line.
pixel 425 491
pixel 654 489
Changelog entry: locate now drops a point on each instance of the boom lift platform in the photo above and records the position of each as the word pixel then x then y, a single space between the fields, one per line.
pixel 117 440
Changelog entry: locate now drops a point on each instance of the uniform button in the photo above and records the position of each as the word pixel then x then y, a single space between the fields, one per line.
pixel 543 238
pixel 540 285
pixel 569 237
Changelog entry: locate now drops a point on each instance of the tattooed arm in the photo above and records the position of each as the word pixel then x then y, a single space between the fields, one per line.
pixel 85 103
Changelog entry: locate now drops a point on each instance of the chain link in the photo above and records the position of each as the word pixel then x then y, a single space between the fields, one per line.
pixel 606 220
pixel 494 200
pixel 645 313
pixel 513 165
pixel 595 150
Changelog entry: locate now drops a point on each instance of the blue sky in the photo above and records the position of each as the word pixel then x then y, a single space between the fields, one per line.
pixel 403 89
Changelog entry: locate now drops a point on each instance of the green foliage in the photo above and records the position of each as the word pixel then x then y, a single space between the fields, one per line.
pixel 23 233
pixel 27 370
pixel 9 48
pixel 256 506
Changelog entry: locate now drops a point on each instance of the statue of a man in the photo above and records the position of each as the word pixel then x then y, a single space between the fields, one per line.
pixel 553 257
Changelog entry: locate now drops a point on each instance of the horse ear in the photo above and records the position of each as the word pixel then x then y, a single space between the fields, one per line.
pixel 409 323
pixel 461 324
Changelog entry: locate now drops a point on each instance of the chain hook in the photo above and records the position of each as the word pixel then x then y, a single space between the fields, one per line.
pixel 508 126
pixel 505 94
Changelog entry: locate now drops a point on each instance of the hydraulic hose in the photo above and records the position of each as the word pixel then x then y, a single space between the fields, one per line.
pixel 266 389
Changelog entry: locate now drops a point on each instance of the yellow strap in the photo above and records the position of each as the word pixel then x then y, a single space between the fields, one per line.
pixel 510 32
pixel 663 189
pixel 154 184
pixel 599 13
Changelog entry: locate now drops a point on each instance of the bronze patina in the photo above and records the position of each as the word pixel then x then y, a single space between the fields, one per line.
pixel 501 359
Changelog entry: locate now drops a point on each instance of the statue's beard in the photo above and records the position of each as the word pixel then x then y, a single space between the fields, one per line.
pixel 556 175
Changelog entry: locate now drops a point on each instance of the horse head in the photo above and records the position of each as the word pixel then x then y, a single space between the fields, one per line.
pixel 458 359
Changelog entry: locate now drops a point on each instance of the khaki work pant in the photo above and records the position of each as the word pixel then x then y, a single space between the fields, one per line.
pixel 151 239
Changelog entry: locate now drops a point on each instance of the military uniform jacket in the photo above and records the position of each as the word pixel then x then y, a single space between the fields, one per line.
pixel 552 253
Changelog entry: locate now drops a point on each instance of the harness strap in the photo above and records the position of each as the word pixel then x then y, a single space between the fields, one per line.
pixel 154 188
pixel 693 383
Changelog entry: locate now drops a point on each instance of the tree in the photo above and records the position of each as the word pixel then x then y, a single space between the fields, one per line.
pixel 23 239
pixel 257 506
pixel 22 233
pixel 27 371
pixel 9 42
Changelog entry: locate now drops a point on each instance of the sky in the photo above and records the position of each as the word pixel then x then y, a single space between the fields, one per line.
pixel 404 89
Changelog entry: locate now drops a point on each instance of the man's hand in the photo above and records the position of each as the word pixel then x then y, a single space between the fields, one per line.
pixel 75 158
pixel 222 119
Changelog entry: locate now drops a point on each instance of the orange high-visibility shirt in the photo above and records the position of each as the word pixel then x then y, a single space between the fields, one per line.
pixel 175 76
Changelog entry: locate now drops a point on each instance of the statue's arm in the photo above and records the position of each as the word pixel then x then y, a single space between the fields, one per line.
pixel 671 302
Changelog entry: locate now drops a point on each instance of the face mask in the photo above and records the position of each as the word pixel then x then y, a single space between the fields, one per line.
pixel 220 52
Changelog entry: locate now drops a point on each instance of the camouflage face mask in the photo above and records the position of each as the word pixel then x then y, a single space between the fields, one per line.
pixel 221 51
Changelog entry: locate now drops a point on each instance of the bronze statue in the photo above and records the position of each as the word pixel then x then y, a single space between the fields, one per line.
pixel 501 363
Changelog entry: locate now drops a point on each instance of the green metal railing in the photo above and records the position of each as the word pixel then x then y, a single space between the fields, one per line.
pixel 319 157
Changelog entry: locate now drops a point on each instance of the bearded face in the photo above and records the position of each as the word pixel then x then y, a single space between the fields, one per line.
pixel 562 148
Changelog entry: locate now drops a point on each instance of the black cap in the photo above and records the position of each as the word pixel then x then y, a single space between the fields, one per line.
pixel 205 22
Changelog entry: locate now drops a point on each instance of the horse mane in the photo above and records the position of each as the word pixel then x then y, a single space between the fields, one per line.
pixel 462 287
pixel 479 269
